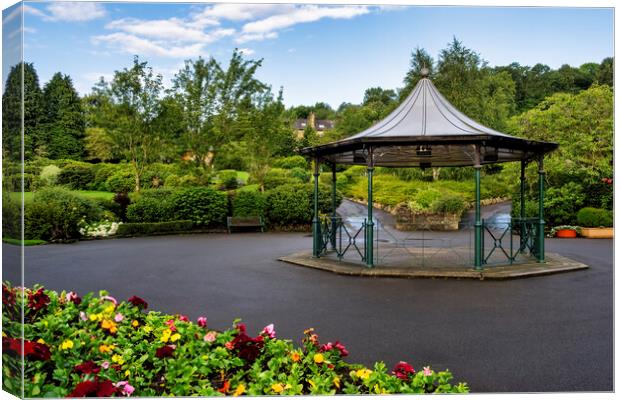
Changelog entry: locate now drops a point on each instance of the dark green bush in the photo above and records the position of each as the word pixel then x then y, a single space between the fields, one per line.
pixel 148 209
pixel 228 179
pixel 122 181
pixel 54 214
pixel 293 204
pixel 122 200
pixel 277 177
pixel 600 195
pixel 13 182
pixel 76 175
pixel 11 217
pixel 449 204
pixel 248 204
pixel 153 228
pixel 562 204
pixel 290 162
pixel 103 171
pixel 300 174
pixel 204 206
pixel 591 217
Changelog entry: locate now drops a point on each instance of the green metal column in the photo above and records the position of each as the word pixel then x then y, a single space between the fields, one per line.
pixel 541 210
pixel 369 224
pixel 334 215
pixel 316 223
pixel 478 223
pixel 522 211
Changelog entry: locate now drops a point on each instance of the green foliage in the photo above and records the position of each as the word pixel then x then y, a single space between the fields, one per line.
pixel 154 228
pixel 277 177
pixel 149 209
pixel 103 172
pixel 301 174
pixel 49 175
pixel 292 204
pixel 204 206
pixel 591 217
pixel 121 181
pixel 76 175
pixel 54 214
pixel 290 162
pixel 11 217
pixel 99 145
pixel 448 204
pixel 189 360
pixel 249 204
pixel 228 179
pixel 562 203
pixel 233 155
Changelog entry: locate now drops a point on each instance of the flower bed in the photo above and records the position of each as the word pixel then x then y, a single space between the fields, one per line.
pixel 97 347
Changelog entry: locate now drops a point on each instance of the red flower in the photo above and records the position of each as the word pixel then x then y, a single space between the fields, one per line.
pixel 164 351
pixel 138 302
pixel 38 300
pixel 88 367
pixel 32 350
pixel 183 318
pixel 171 325
pixel 94 388
pixel 247 347
pixel 8 296
pixel 225 387
pixel 338 346
pixel 403 371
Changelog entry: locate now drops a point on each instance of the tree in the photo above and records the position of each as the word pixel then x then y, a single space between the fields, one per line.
pixel 419 59
pixel 605 74
pixel 12 112
pixel 379 95
pixel 62 120
pixel 127 108
pixel 99 145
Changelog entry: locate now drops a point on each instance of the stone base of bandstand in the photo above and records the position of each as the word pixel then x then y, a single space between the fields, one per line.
pixel 554 263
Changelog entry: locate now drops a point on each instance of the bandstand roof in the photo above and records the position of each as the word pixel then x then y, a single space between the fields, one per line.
pixel 427 131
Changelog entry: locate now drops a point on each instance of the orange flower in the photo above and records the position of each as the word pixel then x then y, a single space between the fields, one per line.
pixel 109 325
pixel 295 356
pixel 225 387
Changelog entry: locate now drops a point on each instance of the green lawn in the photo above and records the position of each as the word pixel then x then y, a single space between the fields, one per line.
pixel 18 242
pixel 88 194
pixel 243 176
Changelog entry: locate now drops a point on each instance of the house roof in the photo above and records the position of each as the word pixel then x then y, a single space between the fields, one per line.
pixel 427 130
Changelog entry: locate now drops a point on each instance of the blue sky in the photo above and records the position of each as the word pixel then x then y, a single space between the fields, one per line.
pixel 317 53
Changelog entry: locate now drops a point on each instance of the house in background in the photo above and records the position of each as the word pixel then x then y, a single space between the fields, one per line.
pixel 319 125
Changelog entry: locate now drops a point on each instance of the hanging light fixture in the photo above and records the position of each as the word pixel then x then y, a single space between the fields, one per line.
pixel 423 151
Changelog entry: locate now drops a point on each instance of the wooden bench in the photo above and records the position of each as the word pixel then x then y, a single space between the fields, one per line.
pixel 245 222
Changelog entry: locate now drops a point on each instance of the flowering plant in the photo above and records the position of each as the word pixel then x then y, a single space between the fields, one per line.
pixel 98 229
pixel 96 346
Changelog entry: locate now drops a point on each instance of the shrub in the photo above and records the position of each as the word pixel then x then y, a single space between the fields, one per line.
pixel 123 201
pixel 277 177
pixel 54 214
pixel 184 181
pixel 448 204
pixel 121 181
pixel 228 179
pixel 562 204
pixel 49 175
pixel 150 354
pixel 204 206
pixel 11 217
pixel 293 204
pixel 591 217
pixel 301 174
pixel 76 175
pixel 14 182
pixel 290 162
pixel 103 171
pixel 153 228
pixel 425 198
pixel 248 204
pixel 149 209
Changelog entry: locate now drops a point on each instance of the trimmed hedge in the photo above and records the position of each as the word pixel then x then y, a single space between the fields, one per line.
pixel 205 206
pixel 76 175
pixel 591 217
pixel 292 204
pixel 153 228
pixel 249 204
pixel 290 162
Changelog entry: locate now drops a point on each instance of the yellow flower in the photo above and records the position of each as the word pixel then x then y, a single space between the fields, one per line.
pixel 109 325
pixel 109 309
pixel 363 373
pixel 67 344
pixel 118 359
pixel 127 373
pixel 94 317
pixel 106 348
pixel 379 390
pixel 147 329
pixel 277 387
pixel 311 382
pixel 135 323
pixel 337 382
pixel 3 334
pixel 240 390
pixel 175 337
pixel 165 335
pixel 38 341
pixel 318 358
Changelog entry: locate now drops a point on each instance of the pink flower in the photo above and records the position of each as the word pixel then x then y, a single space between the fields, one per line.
pixel 170 324
pixel 109 298
pixel 229 345
pixel 83 316
pixel 183 318
pixel 74 298
pixel 118 317
pixel 105 365
pixel 210 336
pixel 202 322
pixel 428 371
pixel 125 387
pixel 269 331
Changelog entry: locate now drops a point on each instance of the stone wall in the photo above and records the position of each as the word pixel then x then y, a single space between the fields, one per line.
pixel 409 221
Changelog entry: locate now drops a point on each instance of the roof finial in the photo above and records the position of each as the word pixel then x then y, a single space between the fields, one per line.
pixel 424 72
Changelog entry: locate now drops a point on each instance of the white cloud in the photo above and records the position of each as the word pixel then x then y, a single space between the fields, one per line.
pixel 172 29
pixel 250 37
pixel 243 12
pixel 303 14
pixel 74 11
pixel 246 51
pixel 132 44
pixel 69 11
